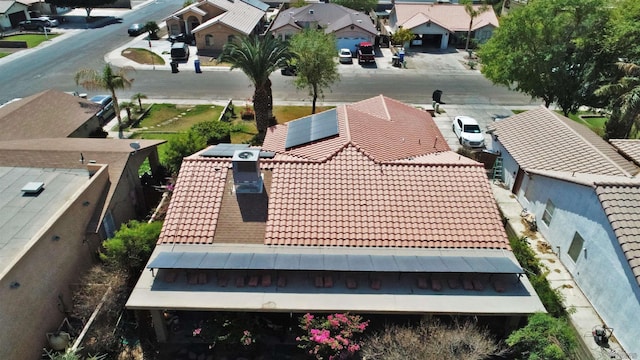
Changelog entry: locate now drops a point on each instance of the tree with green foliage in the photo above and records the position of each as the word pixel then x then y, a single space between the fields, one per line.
pixel 360 5
pixel 546 50
pixel 624 103
pixel 317 69
pixel 109 79
pixel 258 57
pixel 623 35
pixel 138 97
pixel 473 12
pixel 87 5
pixel 152 28
pixel 544 337
pixel 197 138
pixel 402 36
pixel 131 246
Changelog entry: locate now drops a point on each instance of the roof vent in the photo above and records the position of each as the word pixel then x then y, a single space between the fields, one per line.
pixel 33 188
pixel 311 11
pixel 246 171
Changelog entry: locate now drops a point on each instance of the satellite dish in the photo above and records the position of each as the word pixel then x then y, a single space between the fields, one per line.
pixel 245 155
pixel 135 145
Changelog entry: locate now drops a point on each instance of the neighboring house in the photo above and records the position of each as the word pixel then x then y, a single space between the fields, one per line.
pixel 49 114
pixel 350 27
pixel 361 208
pixel 12 12
pixel 60 196
pixel 214 23
pixel 585 194
pixel 440 25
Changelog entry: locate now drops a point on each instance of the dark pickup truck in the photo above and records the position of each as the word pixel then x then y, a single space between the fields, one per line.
pixel 366 53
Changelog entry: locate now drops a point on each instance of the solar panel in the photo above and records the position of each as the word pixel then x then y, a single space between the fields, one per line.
pixel 312 128
pixel 384 263
pixel 480 264
pixel 408 263
pixel 287 261
pixel 336 262
pixel 360 263
pixel 189 260
pixel 164 260
pixel 456 264
pixel 263 261
pixel 238 261
pixel 312 261
pixel 224 150
pixel 257 4
pixel 214 260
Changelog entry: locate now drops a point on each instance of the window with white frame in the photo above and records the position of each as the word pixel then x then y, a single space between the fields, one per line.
pixel 576 247
pixel 548 212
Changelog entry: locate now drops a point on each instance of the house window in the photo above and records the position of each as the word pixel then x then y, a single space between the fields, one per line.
pixel 108 225
pixel 231 38
pixel 576 247
pixel 208 40
pixel 548 212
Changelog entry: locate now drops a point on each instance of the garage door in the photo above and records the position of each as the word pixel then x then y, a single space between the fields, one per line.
pixel 350 43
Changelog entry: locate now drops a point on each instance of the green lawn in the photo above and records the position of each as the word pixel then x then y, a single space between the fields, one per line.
pixel 3 54
pixel 32 40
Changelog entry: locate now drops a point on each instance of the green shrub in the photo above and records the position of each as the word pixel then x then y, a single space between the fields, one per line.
pixel 551 298
pixel 131 246
pixel 544 337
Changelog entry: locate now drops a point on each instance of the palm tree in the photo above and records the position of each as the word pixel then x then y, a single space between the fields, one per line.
pixel 152 28
pixel 258 57
pixel 127 105
pixel 138 97
pixel 625 103
pixel 108 79
pixel 473 13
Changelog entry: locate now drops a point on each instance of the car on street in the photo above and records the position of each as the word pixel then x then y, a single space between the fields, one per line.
pixel 49 21
pixel 33 24
pixel 468 131
pixel 107 110
pixel 345 56
pixel 289 70
pixel 135 29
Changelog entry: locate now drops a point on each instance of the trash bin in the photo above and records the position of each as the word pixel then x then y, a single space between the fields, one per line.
pixel 401 55
pixel 437 96
pixel 196 63
pixel 395 61
pixel 174 67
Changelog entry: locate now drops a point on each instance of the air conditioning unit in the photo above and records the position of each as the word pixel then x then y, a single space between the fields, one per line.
pixel 246 171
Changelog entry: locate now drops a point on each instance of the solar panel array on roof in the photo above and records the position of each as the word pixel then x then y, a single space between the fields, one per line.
pixel 224 150
pixel 312 128
pixel 335 262
pixel 227 150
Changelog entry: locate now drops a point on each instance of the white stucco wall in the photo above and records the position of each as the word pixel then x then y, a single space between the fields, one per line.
pixel 601 269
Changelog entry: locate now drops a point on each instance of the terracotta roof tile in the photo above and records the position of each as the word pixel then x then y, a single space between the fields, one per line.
pixel 544 140
pixel 349 190
pixel 621 204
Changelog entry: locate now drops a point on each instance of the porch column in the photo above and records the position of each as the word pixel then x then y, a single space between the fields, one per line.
pixel 162 333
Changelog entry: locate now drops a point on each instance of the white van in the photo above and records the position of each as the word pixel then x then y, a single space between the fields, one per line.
pixel 468 131
pixel 179 52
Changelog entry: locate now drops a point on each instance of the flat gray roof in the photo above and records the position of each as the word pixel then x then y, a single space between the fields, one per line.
pixel 24 215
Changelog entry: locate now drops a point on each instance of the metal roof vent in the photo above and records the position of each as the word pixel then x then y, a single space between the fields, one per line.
pixel 246 171
pixel 311 11
pixel 33 188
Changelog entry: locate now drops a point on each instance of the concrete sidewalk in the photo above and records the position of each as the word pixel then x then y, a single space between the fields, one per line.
pixel 582 314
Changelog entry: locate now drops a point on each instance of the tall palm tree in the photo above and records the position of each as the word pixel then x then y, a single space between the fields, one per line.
pixel 473 13
pixel 109 79
pixel 138 97
pixel 625 103
pixel 127 105
pixel 258 57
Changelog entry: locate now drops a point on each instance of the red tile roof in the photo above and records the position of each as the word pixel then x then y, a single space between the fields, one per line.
pixel 364 187
pixel 383 128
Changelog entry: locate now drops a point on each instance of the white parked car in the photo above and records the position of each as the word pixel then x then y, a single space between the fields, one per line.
pixel 49 21
pixel 345 56
pixel 468 131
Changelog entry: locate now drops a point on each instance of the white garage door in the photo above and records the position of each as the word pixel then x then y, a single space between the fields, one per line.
pixel 350 43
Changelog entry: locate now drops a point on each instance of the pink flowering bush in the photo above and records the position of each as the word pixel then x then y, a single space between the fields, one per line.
pixel 335 337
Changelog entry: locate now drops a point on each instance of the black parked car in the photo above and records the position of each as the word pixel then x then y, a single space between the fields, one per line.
pixel 289 70
pixel 33 24
pixel 182 37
